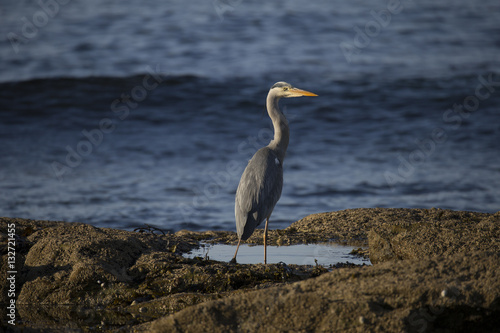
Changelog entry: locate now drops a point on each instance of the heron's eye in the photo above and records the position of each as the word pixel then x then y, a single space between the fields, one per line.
pixel 285 88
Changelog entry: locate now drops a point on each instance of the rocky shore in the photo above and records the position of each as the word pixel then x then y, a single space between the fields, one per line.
pixel 433 270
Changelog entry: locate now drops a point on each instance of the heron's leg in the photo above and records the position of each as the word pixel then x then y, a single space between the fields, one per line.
pixel 265 242
pixel 233 261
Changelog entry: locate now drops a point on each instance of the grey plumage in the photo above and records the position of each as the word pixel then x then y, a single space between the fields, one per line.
pixel 262 181
pixel 255 199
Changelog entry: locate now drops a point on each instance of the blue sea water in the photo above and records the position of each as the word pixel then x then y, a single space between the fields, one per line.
pixel 121 113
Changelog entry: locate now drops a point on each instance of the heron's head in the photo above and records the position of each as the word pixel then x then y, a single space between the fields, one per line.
pixel 283 89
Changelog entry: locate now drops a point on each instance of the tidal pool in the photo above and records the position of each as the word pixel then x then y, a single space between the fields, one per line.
pixel 326 254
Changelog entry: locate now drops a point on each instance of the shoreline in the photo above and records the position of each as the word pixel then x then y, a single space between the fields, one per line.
pixel 141 282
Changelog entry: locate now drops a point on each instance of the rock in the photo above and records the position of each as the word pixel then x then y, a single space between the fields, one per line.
pixel 436 270
pixel 390 297
pixel 73 257
pixel 81 267
pixel 424 233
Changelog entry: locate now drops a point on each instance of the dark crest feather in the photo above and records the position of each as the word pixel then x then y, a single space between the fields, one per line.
pixel 281 84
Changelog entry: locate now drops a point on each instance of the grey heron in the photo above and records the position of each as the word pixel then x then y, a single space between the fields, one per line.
pixel 262 181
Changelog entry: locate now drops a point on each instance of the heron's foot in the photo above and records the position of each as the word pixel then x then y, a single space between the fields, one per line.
pixel 233 261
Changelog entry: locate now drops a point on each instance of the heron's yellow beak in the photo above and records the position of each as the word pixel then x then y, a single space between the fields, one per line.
pixel 300 92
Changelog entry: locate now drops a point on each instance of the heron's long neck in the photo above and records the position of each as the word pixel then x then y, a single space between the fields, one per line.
pixel 281 131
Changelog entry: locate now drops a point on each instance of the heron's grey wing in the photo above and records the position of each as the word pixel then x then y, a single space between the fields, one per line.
pixel 258 192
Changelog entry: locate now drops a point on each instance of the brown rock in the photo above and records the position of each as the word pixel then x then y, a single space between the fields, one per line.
pixel 405 296
pixel 73 275
pixel 426 233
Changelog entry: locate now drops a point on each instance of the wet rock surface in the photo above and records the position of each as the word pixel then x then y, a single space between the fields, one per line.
pixel 434 270
pixel 458 293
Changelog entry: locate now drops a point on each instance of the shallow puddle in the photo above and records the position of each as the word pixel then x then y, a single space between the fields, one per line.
pixel 311 254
